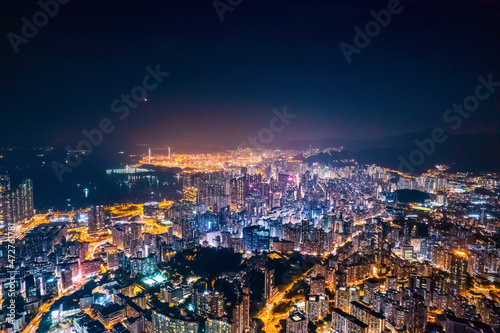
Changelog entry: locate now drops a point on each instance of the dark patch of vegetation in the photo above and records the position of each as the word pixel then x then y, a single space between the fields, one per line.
pixel 311 327
pixel 298 287
pixel 281 308
pixel 206 262
pixel 406 196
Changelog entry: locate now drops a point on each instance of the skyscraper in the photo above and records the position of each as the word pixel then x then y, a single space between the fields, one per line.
pixel 343 322
pixel 256 238
pixel 25 197
pixel 316 307
pixel 241 314
pixel 119 236
pixel 217 305
pixel 378 245
pixel 209 303
pixel 372 286
pixel 458 272
pixel 238 190
pixel 374 320
pixel 296 322
pixel 96 218
pixel 268 283
pixel 15 205
pixel 169 322
pixel 344 296
pixel 218 326
pixel 317 285
pixel 4 184
pixel 418 315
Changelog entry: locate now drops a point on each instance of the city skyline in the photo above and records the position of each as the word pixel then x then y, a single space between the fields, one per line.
pixel 232 166
pixel 321 247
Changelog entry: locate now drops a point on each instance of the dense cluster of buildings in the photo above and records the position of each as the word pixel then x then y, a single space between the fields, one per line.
pixel 387 252
pixel 15 204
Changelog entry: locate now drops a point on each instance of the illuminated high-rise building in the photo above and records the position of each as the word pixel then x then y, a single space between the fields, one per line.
pixel 317 285
pixel 15 205
pixel 371 287
pixel 458 272
pixel 344 296
pixel 209 303
pixel 66 278
pixel 378 245
pixel 296 322
pixel 306 230
pixel 119 236
pixel 374 320
pixel 418 315
pixel 96 218
pixel 268 283
pixel 256 238
pixel 169 322
pixel 202 300
pixel 343 322
pixel 238 190
pixel 391 282
pixel 316 307
pixel 4 184
pixel 241 314
pixel 218 326
pixel 217 305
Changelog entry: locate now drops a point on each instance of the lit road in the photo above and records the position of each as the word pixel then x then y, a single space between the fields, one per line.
pixel 326 328
pixel 271 320
pixel 95 245
pixel 363 220
pixel 266 315
pixel 33 325
pixel 28 226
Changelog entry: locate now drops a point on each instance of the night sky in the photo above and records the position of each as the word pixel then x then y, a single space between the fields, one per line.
pixel 227 76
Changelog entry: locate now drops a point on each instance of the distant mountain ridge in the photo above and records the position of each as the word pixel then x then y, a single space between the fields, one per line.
pixel 400 141
pixel 477 152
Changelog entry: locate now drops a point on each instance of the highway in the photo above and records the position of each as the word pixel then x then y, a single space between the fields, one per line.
pixel 266 315
pixel 95 245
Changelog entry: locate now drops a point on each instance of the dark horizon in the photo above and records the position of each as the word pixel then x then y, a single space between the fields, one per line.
pixel 226 77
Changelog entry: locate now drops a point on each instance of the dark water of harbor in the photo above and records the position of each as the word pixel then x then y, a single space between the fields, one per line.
pixel 88 183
